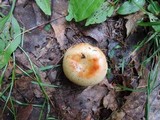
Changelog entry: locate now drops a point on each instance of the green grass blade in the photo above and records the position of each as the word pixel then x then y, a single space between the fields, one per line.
pixel 7 17
pixel 2 93
pixel 152 56
pixel 20 103
pixel 148 23
pixel 11 86
pixel 45 84
pixel 36 74
pixel 2 75
pixel 13 108
pixel 123 88
pixel 42 110
pixel 44 68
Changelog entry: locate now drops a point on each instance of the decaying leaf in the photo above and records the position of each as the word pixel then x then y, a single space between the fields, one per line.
pixel 133 108
pixel 154 113
pixel 109 101
pixel 24 86
pixel 24 113
pixel 117 115
pixel 59 25
pixel 83 104
pixel 59 29
pixel 96 32
pixel 131 21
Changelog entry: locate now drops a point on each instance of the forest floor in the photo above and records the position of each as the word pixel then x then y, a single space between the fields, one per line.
pixel 40 89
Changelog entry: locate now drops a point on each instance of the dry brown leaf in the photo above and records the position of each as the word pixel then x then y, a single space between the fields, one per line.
pixel 8 71
pixel 24 87
pixel 134 106
pixel 96 32
pixel 109 101
pixel 81 105
pixel 24 113
pixel 117 115
pixel 21 2
pixel 59 25
pixel 89 117
pixel 59 29
pixel 133 109
pixel 106 83
pixel 131 23
pixel 155 101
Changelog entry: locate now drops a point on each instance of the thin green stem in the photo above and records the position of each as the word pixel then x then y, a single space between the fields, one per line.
pixel 13 109
pixel 13 6
pixel 12 83
pixel 2 75
pixel 42 110
pixel 36 75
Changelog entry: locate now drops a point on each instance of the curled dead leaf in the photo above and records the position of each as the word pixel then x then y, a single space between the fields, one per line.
pixel 24 113
pixel 131 21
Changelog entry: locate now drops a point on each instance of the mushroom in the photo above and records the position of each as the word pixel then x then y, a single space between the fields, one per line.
pixel 84 64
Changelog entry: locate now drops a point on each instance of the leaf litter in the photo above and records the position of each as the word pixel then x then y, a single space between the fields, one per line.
pixel 115 37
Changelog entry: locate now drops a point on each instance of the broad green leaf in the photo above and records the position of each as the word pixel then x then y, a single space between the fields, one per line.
pixel 154 7
pixel 6 36
pixel 129 7
pixel 153 18
pixel 82 9
pixel 70 16
pixel 2 45
pixel 101 14
pixel 3 21
pixel 6 18
pixel 45 6
pixel 13 44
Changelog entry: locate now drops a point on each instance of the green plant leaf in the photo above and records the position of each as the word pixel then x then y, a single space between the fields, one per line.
pixel 154 7
pixel 101 14
pixel 129 7
pixel 45 6
pixel 13 44
pixel 153 18
pixel 70 16
pixel 2 45
pixel 82 9
pixel 141 23
pixel 3 21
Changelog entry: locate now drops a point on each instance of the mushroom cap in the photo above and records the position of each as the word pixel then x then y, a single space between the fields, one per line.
pixel 84 64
